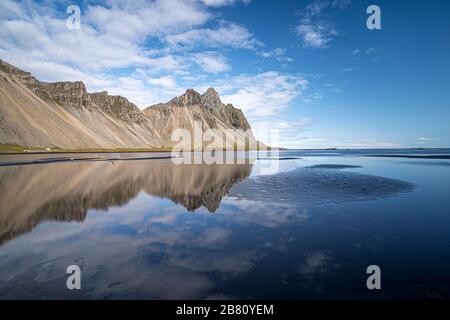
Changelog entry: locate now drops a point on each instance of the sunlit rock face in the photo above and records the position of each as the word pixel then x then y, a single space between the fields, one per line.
pixel 207 105
pixel 207 111
pixel 65 192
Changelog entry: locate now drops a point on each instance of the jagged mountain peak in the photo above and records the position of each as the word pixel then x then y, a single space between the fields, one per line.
pixel 211 98
pixel 206 107
pixel 192 97
pixel 189 98
pixel 211 92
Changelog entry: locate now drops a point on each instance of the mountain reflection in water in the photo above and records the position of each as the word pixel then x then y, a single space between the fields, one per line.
pixel 65 192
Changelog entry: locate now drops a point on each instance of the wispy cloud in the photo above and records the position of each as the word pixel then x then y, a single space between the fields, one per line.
pixel 262 94
pixel 349 69
pixel 278 54
pixel 374 50
pixel 220 3
pixel 211 62
pixel 290 133
pixel 331 87
pixel 315 27
pixel 228 34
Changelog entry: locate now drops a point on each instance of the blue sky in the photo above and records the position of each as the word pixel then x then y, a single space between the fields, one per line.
pixel 310 69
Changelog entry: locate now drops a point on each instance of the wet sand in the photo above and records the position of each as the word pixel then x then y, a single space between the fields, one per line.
pixel 15 160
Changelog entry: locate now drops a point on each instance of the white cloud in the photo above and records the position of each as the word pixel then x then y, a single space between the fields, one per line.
pixel 228 34
pixel 289 133
pixel 131 20
pixel 166 82
pixel 278 54
pixel 9 9
pixel 349 69
pixel 211 62
pixel 315 28
pixel 220 3
pixel 135 86
pixel 374 50
pixel 263 98
pixel 315 263
pixel 333 88
pixel 262 94
pixel 46 39
pixel 316 36
pixel 341 4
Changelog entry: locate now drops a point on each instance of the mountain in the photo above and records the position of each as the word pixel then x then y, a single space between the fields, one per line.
pixel 64 115
pixel 207 110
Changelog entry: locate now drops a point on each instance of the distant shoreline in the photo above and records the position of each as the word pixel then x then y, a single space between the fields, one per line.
pixel 425 156
pixel 362 149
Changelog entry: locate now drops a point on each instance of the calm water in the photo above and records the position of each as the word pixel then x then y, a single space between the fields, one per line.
pixel 150 229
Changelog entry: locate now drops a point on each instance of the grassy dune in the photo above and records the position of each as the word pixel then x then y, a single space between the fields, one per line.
pixel 15 148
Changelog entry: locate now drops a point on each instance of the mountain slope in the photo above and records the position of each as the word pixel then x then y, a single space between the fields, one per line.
pixel 65 115
pixel 209 112
pixel 28 120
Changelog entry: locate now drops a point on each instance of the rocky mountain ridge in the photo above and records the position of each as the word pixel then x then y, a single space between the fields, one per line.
pixel 65 115
pixel 209 102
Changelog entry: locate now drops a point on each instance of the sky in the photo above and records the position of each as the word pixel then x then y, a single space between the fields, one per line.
pixel 310 69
